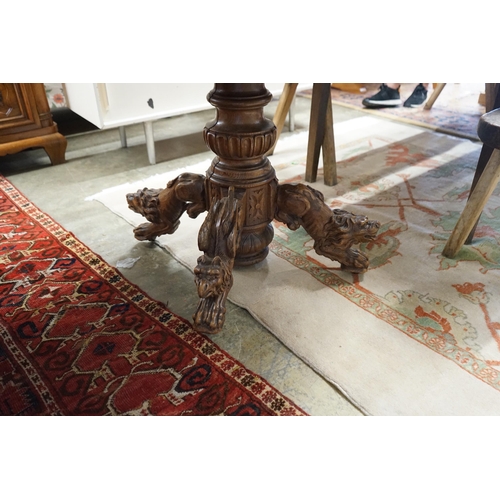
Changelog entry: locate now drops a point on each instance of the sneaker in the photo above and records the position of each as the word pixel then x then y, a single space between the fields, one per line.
pixel 383 98
pixel 417 98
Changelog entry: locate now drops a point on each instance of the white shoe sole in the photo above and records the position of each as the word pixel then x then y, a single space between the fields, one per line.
pixel 388 102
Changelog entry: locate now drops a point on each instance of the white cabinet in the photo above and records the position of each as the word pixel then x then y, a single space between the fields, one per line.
pixel 115 105
pixel 109 105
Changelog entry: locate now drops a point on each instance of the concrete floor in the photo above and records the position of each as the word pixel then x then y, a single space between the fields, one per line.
pixel 96 161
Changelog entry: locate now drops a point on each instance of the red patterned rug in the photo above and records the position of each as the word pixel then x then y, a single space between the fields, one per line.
pixel 76 338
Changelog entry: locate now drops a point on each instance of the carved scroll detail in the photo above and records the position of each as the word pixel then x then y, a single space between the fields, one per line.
pixel 333 231
pixel 164 207
pixel 218 239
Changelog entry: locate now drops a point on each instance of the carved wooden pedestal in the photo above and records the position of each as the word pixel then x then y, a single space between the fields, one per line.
pixel 242 197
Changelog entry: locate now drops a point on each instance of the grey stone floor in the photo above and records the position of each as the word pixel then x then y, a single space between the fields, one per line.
pixel 96 161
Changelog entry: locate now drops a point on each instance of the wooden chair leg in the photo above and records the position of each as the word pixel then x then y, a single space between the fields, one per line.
pixel 485 186
pixel 282 110
pixel 319 103
pixel 435 94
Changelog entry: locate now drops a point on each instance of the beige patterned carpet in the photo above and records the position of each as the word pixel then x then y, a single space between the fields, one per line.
pixel 418 334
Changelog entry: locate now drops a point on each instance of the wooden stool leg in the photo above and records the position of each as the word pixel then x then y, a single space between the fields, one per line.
pixel 484 157
pixel 432 99
pixel 329 160
pixel 492 102
pixel 320 97
pixel 291 115
pixel 282 110
pixel 485 186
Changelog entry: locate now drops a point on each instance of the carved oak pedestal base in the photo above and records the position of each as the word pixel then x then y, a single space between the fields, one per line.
pixel 242 197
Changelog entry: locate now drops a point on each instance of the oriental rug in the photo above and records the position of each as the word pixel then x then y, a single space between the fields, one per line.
pixel 76 338
pixel 417 334
pixel 456 111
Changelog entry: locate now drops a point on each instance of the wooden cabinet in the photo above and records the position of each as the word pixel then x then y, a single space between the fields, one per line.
pixel 26 121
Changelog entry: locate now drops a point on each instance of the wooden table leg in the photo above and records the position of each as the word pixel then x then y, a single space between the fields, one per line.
pixel 240 136
pixel 242 197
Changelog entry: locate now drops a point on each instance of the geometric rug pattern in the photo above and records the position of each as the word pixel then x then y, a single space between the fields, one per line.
pixel 77 338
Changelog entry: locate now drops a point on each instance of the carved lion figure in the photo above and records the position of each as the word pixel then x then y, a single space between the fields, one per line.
pixel 218 239
pixel 333 231
pixel 164 207
pixel 213 279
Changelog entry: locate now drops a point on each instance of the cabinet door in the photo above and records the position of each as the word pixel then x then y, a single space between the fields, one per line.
pixel 17 108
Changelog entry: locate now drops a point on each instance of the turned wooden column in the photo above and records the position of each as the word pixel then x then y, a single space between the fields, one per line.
pixel 240 136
